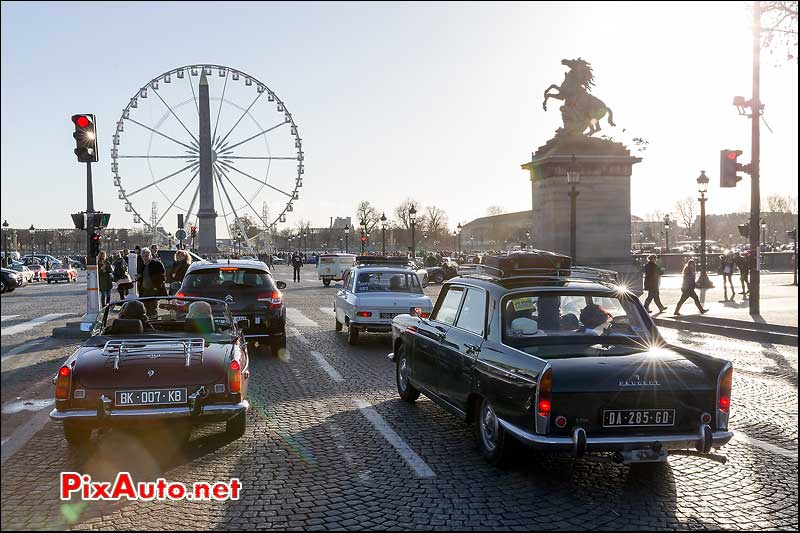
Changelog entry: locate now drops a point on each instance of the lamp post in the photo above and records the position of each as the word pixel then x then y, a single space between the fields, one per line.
pixel 33 239
pixel 702 188
pixel 527 239
pixel 5 241
pixel 412 217
pixel 763 233
pixel 305 241
pixel 383 233
pixel 238 241
pixel 792 234
pixel 666 231
pixel 363 234
pixel 573 179
pixel 347 239
pixel 458 232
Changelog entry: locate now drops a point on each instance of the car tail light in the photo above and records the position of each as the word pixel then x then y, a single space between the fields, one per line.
pixel 561 421
pixel 364 314
pixel 544 394
pixel 62 383
pixel 274 299
pixel 725 386
pixel 235 377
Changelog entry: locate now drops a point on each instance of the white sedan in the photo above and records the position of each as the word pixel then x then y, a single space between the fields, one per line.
pixel 372 296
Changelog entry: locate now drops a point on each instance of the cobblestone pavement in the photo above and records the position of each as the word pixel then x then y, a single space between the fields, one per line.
pixel 330 446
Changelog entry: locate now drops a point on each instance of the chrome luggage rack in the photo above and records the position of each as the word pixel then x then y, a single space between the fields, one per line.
pixel 551 273
pixel 188 348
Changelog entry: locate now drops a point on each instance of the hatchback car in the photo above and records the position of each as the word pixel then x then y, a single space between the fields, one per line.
pixel 250 292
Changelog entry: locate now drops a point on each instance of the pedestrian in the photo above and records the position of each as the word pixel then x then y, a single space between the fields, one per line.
pixel 139 266
pixel 297 264
pixel 121 277
pixel 270 263
pixel 743 263
pixel 726 267
pixel 152 280
pixel 652 282
pixel 688 288
pixel 179 268
pixel 105 278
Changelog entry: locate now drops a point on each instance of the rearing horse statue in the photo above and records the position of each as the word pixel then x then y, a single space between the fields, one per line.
pixel 581 109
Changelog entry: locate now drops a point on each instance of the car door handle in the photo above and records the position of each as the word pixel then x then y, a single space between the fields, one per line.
pixel 472 348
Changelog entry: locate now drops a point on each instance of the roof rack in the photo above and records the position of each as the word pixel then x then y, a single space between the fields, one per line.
pixel 378 260
pixel 555 274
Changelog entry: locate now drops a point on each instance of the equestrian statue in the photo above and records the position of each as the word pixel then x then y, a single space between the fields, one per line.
pixel 581 110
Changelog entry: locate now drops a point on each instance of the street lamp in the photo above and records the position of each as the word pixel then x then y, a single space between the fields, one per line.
pixel 702 188
pixel 666 231
pixel 763 233
pixel 527 239
pixel 383 233
pixel 238 239
pixel 305 242
pixel 33 239
pixel 346 239
pixel 5 241
pixel 573 179
pixel 363 230
pixel 458 232
pixel 412 217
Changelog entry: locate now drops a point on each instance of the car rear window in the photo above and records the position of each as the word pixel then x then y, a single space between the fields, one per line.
pixel 391 281
pixel 228 278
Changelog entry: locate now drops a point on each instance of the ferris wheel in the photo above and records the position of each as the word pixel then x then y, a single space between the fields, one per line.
pixel 256 151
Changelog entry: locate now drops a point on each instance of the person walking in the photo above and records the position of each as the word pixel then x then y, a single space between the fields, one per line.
pixel 270 263
pixel 688 288
pixel 652 283
pixel 105 278
pixel 121 277
pixel 152 280
pixel 726 267
pixel 178 272
pixel 743 263
pixel 297 264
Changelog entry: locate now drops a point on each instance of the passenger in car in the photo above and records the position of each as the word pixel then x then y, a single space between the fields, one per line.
pixel 199 318
pixel 593 317
pixel 135 310
pixel 396 283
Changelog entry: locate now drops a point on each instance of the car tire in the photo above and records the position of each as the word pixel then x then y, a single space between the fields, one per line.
pixel 405 390
pixel 339 325
pixel 438 277
pixel 3 289
pixel 352 335
pixel 278 345
pixel 495 444
pixel 326 282
pixel 236 426
pixel 76 436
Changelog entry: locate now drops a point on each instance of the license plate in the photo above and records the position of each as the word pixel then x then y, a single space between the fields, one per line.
pixel 238 318
pixel 150 397
pixel 388 315
pixel 638 417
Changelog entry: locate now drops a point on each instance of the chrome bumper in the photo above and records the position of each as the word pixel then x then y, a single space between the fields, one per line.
pixel 205 413
pixel 580 442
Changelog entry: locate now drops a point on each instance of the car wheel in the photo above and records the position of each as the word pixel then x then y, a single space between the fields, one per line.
pixel 278 345
pixel 339 325
pixel 495 445
pixel 406 391
pixel 438 277
pixel 235 427
pixel 326 282
pixel 77 437
pixel 352 335
pixel 3 289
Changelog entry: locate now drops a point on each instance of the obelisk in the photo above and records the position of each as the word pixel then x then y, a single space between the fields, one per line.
pixel 206 214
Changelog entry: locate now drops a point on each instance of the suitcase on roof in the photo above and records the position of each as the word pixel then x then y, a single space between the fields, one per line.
pixel 527 263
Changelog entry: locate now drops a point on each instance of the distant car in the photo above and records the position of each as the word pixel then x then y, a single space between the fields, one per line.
pixel 250 292
pixel 446 271
pixel 279 260
pixel 39 272
pixel 372 295
pixel 25 273
pixel 331 267
pixel 10 281
pixel 62 274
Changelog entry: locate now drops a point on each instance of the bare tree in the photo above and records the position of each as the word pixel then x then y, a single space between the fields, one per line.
pixel 779 26
pixel 401 213
pixel 494 210
pixel 687 213
pixel 367 214
pixel 436 223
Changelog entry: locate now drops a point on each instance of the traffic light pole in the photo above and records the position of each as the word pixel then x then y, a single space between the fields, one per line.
pixel 92 287
pixel 755 187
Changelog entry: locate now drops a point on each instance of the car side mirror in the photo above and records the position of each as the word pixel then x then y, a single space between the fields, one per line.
pixel 243 323
pixel 280 284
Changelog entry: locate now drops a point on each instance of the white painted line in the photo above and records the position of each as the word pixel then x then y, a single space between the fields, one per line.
pixel 7 317
pixel 738 435
pixel 409 456
pixel 299 336
pixel 23 434
pixel 24 347
pixel 297 318
pixel 328 311
pixel 27 405
pixel 25 326
pixel 326 366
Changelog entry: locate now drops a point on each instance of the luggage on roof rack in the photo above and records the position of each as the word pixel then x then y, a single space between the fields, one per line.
pixel 381 260
pixel 526 263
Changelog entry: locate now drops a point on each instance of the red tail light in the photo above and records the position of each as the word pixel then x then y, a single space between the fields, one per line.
pixel 62 383
pixel 544 394
pixel 180 294
pixel 274 299
pixel 235 377
pixel 364 314
pixel 725 387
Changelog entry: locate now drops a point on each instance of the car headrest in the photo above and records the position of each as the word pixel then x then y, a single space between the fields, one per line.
pixel 125 325
pixel 199 325
pixel 524 326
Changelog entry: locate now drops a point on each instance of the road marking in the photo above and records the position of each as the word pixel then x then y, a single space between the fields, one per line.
pixel 22 348
pixel 297 318
pixel 738 435
pixel 326 366
pixel 299 336
pixel 25 326
pixel 23 434
pixel 8 317
pixel 328 311
pixel 409 456
pixel 27 405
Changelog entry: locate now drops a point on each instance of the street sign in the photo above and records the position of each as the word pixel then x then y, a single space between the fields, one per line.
pixel 180 234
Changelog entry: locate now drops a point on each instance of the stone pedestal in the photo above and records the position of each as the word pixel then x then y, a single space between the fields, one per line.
pixel 603 204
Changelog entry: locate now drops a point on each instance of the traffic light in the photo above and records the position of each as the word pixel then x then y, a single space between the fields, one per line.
pixel 728 167
pixel 94 247
pixel 363 239
pixel 194 231
pixel 180 220
pixel 85 138
pixel 791 234
pixel 744 230
pixel 100 219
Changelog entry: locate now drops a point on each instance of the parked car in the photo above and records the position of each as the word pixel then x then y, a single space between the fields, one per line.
pixel 68 274
pixel 25 273
pixel 560 359
pixel 168 367
pixel 331 267
pixel 438 274
pixel 10 281
pixel 250 292
pixel 39 271
pixel 373 294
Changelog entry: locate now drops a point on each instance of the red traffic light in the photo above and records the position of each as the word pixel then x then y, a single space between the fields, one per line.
pixel 82 121
pixel 732 156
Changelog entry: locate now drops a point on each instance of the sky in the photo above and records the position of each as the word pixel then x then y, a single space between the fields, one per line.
pixel 440 102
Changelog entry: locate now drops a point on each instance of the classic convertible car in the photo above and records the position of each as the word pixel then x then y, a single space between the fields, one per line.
pixel 560 358
pixel 154 359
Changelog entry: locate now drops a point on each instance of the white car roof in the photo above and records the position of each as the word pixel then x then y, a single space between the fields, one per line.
pixel 238 263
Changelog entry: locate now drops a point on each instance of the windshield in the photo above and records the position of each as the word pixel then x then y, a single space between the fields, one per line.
pixel 195 315
pixel 227 278
pixel 531 319
pixel 388 281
